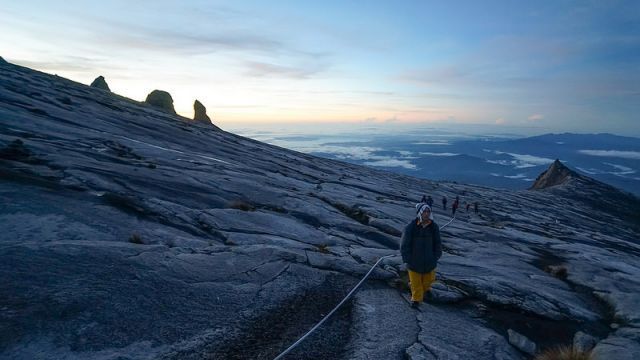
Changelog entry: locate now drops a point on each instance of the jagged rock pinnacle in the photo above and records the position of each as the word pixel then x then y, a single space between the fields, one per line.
pixel 200 113
pixel 162 100
pixel 556 174
pixel 100 83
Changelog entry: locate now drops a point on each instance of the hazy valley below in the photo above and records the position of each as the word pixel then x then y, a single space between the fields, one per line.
pixel 468 154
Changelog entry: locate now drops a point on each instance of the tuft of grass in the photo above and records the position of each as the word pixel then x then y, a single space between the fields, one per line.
pixel 564 353
pixel 135 238
pixel 323 248
pixel 241 205
pixel 559 271
pixel 401 282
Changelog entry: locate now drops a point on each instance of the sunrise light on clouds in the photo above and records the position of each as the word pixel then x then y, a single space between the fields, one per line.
pixel 561 65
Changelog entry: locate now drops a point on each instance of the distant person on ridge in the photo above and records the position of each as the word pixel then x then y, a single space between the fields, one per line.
pixel 475 207
pixel 454 207
pixel 468 206
pixel 444 202
pixel 430 201
pixel 421 248
pixel 424 199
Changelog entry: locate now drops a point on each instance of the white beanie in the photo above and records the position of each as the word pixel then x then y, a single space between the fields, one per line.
pixel 421 207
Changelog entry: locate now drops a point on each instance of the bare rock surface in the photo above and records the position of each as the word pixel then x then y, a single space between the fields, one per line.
pixel 521 342
pixel 126 233
pixel 583 342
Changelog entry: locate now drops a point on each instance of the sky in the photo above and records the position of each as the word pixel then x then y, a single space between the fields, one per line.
pixel 542 65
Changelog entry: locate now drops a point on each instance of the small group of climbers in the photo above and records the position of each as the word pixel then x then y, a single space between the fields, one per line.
pixel 454 207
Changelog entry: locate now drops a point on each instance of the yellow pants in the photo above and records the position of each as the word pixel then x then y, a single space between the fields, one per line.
pixel 420 283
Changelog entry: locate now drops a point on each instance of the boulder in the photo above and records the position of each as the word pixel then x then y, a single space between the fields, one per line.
pixel 417 351
pixel 100 83
pixel 200 113
pixel 584 342
pixel 161 99
pixel 521 342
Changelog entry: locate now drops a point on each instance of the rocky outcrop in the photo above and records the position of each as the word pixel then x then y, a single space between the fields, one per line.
pixel 556 174
pixel 161 99
pixel 584 342
pixel 200 113
pixel 100 83
pixel 521 342
pixel 2 61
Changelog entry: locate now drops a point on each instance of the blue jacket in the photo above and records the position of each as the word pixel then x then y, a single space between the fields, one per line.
pixel 421 246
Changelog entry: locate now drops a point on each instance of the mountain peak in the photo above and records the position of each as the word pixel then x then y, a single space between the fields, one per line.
pixel 556 174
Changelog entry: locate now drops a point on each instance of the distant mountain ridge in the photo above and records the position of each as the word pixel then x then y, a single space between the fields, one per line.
pixel 599 140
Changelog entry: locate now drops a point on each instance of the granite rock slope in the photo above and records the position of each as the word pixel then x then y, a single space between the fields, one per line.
pixel 127 232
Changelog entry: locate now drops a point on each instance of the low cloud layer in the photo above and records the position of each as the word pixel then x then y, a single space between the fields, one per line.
pixel 635 155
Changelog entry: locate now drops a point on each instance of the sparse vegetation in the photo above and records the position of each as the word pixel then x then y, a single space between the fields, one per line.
pixel 323 248
pixel 242 205
pixel 564 353
pixel 354 212
pixel 125 203
pixel 402 282
pixel 559 271
pixel 17 151
pixel 135 238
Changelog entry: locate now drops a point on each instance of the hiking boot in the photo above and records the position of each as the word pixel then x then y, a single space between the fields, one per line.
pixel 415 304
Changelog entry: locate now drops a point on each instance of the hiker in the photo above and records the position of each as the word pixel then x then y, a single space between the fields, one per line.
pixel 424 199
pixel 421 248
pixel 468 206
pixel 475 207
pixel 430 201
pixel 454 207
pixel 444 202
